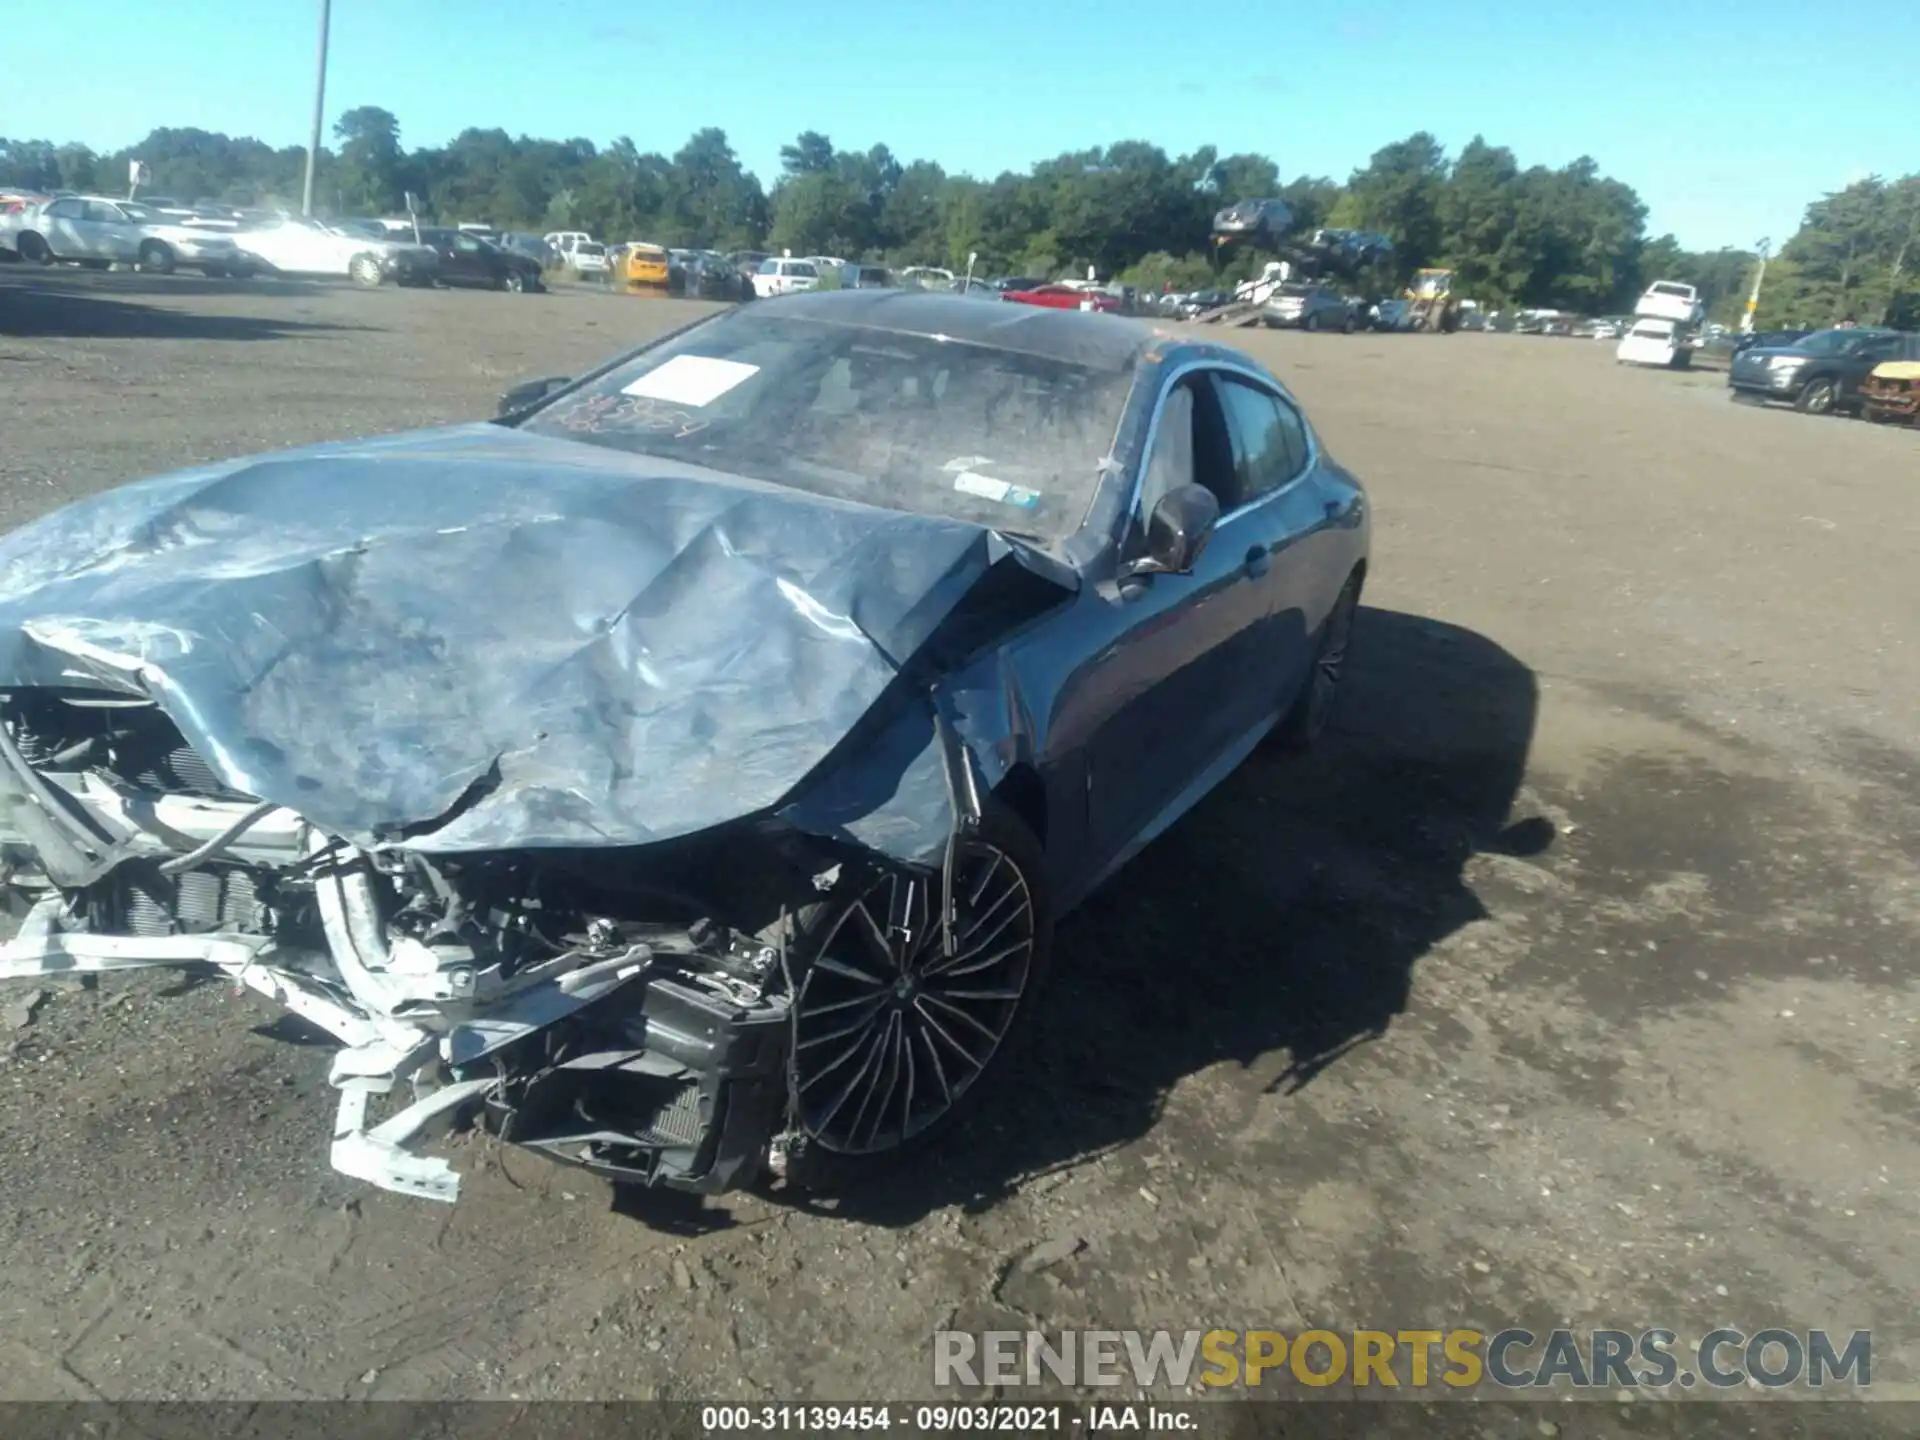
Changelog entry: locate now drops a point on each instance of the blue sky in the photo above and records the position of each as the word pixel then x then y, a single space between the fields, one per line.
pixel 1689 102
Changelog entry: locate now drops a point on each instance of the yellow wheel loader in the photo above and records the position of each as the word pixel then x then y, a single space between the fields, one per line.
pixel 1431 304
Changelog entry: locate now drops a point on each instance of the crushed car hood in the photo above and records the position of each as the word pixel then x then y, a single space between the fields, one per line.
pixel 475 639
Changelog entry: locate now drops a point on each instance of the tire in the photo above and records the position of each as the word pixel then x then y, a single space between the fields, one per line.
pixel 364 271
pixel 1303 725
pixel 156 257
pixel 1312 322
pixel 953 1039
pixel 34 249
pixel 513 282
pixel 1817 396
pixel 1346 325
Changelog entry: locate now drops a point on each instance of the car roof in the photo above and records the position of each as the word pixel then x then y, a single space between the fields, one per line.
pixel 1076 337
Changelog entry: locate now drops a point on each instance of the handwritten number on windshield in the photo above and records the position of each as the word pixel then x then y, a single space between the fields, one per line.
pixel 603 414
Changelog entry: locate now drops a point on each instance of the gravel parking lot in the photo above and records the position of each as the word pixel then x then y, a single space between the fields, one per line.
pixel 1569 984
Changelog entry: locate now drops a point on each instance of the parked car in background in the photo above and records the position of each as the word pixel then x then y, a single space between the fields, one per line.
pixel 1821 373
pixel 1891 394
pixel 589 258
pixel 1064 297
pixel 1768 339
pixel 925 277
pixel 1342 252
pixel 95 231
pixel 1297 306
pixel 467 260
pixel 533 247
pixel 1018 282
pixel 714 277
pixel 1393 315
pixel 1259 222
pixel 639 265
pixel 1652 341
pixel 779 275
pixel 865 277
pixel 1670 300
pixel 292 245
pixel 1199 302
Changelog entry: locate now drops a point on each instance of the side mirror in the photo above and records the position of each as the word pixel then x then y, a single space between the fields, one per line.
pixel 527 394
pixel 1177 532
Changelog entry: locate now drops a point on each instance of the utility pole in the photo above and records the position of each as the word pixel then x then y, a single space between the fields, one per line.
pixel 1753 299
pixel 319 111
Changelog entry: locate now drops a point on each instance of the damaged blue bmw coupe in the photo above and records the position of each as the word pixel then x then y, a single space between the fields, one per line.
pixel 682 773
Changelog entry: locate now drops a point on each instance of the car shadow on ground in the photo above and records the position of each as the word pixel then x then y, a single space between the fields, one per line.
pixel 90 308
pixel 1271 931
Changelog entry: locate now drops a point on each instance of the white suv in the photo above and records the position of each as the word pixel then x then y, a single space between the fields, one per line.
pixel 100 232
pixel 780 276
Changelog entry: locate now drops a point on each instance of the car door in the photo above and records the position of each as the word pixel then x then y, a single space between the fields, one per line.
pixel 278 245
pixel 456 266
pixel 62 226
pixel 471 261
pixel 1304 508
pixel 1182 681
pixel 1875 350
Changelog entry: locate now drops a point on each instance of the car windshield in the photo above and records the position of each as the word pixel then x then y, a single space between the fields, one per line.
pixel 911 422
pixel 1832 342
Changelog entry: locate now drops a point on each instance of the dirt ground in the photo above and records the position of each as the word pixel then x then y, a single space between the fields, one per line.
pixel 1569 984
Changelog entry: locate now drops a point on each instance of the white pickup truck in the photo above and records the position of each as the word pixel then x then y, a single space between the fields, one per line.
pixel 97 232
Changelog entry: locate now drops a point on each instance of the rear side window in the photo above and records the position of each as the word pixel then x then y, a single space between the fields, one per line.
pixel 802 268
pixel 1269 438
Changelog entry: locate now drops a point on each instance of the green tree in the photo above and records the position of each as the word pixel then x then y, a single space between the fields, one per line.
pixel 1399 195
pixel 369 175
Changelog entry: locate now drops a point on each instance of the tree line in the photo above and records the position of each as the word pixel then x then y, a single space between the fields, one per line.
pixel 1571 238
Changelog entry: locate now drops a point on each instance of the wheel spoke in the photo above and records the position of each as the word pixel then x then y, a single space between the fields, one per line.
pixel 961 1014
pixel 874 933
pixel 854 1082
pixel 882 1052
pixel 987 872
pixel 937 1028
pixel 950 969
pixel 847 972
pixel 815 1011
pixel 845 1030
pixel 839 1060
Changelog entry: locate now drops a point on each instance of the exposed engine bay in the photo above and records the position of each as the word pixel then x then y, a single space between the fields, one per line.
pixel 624 1009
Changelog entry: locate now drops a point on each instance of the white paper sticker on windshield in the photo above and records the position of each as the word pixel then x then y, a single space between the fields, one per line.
pixel 988 488
pixel 690 380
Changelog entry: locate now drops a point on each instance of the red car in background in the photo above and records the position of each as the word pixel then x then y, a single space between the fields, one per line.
pixel 1063 297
